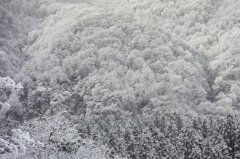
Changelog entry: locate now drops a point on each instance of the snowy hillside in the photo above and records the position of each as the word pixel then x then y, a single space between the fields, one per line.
pixel 118 57
pixel 93 59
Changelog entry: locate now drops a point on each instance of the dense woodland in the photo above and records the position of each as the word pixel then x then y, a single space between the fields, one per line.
pixel 119 79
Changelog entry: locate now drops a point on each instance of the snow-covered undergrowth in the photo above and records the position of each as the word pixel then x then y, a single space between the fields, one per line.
pixel 157 136
pixel 53 137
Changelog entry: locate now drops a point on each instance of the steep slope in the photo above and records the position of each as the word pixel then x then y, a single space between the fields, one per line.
pixel 225 61
pixel 98 61
pixel 128 57
pixel 17 18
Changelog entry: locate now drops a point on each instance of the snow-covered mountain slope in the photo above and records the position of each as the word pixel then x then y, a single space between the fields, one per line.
pixel 102 57
pixel 17 19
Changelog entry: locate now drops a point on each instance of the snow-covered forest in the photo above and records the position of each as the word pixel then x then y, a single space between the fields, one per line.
pixel 96 79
